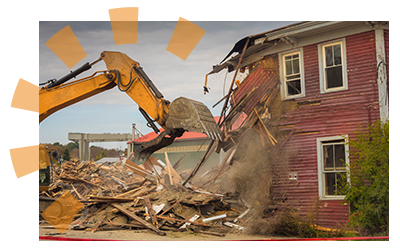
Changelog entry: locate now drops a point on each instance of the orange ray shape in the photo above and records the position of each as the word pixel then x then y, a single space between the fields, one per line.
pixel 185 38
pixel 124 23
pixel 26 96
pixel 66 46
pixel 62 211
pixel 25 160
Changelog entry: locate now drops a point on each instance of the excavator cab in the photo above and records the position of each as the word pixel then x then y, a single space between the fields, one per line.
pixel 44 168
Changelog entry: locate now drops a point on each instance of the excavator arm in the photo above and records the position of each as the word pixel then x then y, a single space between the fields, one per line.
pixel 56 98
pixel 175 118
pixel 132 80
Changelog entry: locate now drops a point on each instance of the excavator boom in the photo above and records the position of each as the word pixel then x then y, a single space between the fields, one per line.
pixel 175 118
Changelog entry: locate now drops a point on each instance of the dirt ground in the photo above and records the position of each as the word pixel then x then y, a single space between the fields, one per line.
pixel 137 235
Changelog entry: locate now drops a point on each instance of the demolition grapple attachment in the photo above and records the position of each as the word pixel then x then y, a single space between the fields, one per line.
pixel 184 115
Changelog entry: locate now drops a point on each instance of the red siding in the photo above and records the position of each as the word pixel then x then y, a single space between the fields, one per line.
pixel 338 113
pixel 260 82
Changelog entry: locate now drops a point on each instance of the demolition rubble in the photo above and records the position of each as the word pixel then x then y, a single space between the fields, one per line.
pixel 146 198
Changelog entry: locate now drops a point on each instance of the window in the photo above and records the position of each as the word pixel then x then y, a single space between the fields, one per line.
pixel 332 159
pixel 292 75
pixel 332 59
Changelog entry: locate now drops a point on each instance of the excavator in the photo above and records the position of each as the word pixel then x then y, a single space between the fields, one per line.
pixel 174 117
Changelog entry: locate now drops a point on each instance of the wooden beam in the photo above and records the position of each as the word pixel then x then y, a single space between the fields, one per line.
pixel 150 210
pixel 138 219
pixel 178 220
pixel 138 170
pixel 96 226
pixel 271 138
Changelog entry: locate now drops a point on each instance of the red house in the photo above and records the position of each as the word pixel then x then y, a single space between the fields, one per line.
pixel 331 78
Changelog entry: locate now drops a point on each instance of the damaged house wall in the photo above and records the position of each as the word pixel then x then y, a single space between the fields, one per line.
pixel 328 115
pixel 310 127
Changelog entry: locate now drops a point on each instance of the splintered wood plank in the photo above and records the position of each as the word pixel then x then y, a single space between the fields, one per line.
pixel 138 219
pixel 96 226
pixel 150 209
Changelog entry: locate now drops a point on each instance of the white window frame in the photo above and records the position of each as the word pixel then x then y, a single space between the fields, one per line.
pixel 284 91
pixel 320 156
pixel 322 62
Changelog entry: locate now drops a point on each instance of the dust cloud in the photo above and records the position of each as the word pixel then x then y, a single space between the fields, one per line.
pixel 254 171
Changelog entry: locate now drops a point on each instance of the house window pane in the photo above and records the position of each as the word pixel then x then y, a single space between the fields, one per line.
pixel 328 158
pixel 339 157
pixel 288 65
pixel 334 183
pixel 294 87
pixel 296 66
pixel 337 54
pixel 341 179
pixel 328 56
pixel 334 77
pixel 330 183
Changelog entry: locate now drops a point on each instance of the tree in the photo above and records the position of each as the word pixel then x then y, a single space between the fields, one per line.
pixel 100 154
pixel 72 145
pixel 368 172
pixel 66 155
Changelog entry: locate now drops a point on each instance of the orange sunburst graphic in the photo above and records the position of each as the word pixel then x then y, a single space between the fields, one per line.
pixel 66 46
pixel 124 23
pixel 25 159
pixel 185 38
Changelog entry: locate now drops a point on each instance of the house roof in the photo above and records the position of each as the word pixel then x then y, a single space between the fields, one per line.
pixel 186 135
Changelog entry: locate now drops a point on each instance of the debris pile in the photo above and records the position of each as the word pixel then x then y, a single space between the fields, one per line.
pixel 148 197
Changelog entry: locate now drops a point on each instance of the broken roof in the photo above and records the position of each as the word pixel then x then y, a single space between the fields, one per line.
pixel 262 44
pixel 186 136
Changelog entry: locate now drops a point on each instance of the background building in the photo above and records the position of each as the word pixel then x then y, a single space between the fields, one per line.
pixel 191 144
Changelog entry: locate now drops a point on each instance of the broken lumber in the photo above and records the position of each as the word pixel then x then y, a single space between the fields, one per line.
pixel 150 210
pixel 273 141
pixel 79 180
pixel 195 217
pixel 119 182
pixel 138 219
pixel 230 224
pixel 178 220
pixel 96 226
pixel 178 163
pixel 101 198
pixel 174 177
pixel 142 172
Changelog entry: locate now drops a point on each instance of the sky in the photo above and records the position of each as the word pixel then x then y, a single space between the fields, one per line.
pixel 113 111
